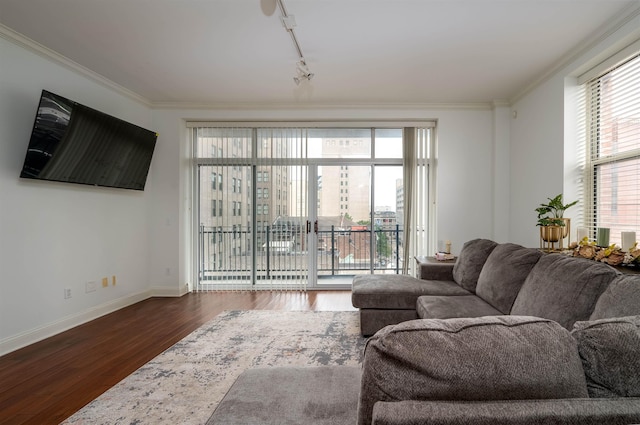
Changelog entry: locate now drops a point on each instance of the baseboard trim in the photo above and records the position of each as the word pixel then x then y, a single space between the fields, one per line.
pixel 163 291
pixel 13 343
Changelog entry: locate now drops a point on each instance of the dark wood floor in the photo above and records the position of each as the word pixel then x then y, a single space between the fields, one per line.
pixel 47 382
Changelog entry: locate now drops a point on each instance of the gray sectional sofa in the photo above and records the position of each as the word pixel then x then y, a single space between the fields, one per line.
pixel 506 336
pixel 488 279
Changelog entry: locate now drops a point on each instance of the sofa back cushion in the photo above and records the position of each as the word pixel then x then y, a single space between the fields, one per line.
pixel 469 264
pixel 610 350
pixel 621 298
pixel 563 288
pixel 503 274
pixel 482 358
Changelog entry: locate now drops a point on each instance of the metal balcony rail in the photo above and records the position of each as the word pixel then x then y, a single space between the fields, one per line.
pixel 282 252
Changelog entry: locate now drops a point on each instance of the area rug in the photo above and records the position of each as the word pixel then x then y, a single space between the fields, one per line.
pixel 184 384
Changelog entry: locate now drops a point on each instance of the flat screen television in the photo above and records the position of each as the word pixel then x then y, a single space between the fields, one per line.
pixel 73 143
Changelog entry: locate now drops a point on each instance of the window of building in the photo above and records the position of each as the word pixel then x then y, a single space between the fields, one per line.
pixel 213 208
pixel 612 195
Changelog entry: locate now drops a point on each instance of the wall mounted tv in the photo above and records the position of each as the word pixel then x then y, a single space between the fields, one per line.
pixel 73 143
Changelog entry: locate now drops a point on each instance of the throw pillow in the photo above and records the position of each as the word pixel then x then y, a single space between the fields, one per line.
pixel 469 264
pixel 609 349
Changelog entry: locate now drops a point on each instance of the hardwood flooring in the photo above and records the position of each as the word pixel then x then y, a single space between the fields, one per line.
pixel 47 382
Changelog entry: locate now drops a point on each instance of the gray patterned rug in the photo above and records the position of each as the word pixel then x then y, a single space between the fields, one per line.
pixel 184 384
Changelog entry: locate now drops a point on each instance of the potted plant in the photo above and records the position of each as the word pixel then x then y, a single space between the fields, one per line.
pixel 553 225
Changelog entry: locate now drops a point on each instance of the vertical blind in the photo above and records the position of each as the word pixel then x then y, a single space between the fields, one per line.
pixel 281 173
pixel 613 160
pixel 244 176
pixel 419 163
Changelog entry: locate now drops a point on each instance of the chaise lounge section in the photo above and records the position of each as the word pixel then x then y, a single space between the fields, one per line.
pixel 390 299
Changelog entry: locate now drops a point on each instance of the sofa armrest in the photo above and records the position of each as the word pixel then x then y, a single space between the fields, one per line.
pixel 583 411
pixel 435 271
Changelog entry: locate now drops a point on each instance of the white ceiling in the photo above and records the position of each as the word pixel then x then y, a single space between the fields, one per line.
pixel 216 52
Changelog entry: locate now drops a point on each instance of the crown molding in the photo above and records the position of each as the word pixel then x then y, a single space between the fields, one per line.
pixel 498 103
pixel 625 16
pixel 323 106
pixel 53 56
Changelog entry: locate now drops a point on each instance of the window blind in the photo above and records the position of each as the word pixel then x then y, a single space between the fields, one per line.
pixel 613 160
pixel 418 173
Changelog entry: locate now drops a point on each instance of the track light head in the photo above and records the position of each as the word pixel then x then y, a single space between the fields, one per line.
pixel 303 72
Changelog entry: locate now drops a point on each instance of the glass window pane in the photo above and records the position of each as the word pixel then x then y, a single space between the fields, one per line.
pixel 213 142
pixel 388 143
pixel 339 143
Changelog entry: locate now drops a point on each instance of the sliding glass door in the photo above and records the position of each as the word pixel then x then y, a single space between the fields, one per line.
pixel 292 208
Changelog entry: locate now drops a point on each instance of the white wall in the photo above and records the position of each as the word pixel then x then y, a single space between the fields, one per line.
pixel 544 137
pixel 54 235
pixel 536 158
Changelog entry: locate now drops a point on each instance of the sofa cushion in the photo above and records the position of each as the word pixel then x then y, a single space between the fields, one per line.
pixel 621 298
pixel 374 319
pixel 489 358
pixel 610 352
pixel 567 411
pixel 472 257
pixel 397 291
pixel 503 274
pixel 563 288
pixel 443 307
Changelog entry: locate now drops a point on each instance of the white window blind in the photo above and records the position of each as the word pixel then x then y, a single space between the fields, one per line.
pixel 612 198
pixel 418 174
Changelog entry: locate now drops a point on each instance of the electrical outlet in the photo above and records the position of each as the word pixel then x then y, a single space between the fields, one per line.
pixel 67 293
pixel 90 287
pixel 113 280
pixel 105 282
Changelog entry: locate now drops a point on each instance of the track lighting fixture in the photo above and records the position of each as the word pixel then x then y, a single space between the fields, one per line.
pixel 289 22
pixel 303 72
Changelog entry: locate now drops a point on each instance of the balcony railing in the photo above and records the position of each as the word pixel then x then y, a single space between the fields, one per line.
pixel 226 254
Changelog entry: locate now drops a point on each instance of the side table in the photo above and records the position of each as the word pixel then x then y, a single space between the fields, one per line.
pixel 428 267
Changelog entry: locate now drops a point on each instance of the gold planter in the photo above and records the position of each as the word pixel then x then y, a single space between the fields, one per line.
pixel 552 237
pixel 566 230
pixel 551 233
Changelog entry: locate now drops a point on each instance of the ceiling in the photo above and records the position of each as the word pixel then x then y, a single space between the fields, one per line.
pixel 382 52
